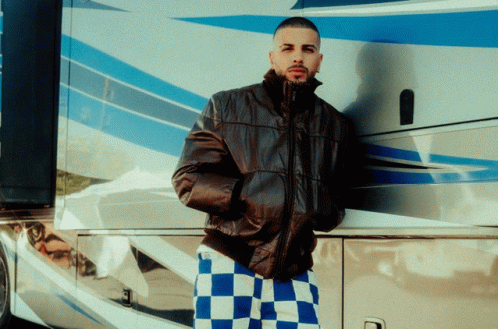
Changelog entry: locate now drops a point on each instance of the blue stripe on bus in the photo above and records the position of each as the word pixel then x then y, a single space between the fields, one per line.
pixel 42 281
pixel 106 64
pixel 482 170
pixel 461 29
pixel 88 5
pixel 378 177
pixel 77 308
pixel 392 153
pixel 332 3
pixel 124 125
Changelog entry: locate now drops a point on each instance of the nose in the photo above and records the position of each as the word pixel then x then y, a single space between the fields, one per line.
pixel 298 57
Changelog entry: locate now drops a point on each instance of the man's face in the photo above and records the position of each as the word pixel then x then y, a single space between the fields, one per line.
pixel 296 53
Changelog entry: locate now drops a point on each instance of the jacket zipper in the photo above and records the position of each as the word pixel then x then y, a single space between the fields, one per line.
pixel 289 199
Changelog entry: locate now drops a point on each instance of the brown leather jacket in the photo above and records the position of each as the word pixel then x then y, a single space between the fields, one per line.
pixel 266 163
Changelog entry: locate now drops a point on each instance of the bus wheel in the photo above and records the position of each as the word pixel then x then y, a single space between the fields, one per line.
pixel 4 292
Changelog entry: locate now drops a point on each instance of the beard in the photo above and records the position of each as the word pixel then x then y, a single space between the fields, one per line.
pixel 309 75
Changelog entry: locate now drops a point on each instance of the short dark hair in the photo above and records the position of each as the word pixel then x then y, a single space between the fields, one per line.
pixel 297 21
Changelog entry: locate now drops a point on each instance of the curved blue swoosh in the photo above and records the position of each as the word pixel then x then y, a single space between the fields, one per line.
pixel 88 5
pixel 461 29
pixel 483 170
pixel 300 4
pixel 106 64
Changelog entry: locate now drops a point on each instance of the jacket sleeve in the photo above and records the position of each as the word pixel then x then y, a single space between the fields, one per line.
pixel 347 166
pixel 206 174
pixel 343 174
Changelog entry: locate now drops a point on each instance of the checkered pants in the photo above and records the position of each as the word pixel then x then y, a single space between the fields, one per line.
pixel 228 295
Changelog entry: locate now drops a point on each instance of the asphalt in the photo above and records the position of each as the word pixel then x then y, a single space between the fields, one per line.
pixel 16 323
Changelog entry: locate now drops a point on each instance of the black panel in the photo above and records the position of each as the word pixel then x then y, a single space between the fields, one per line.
pixel 30 93
pixel 406 104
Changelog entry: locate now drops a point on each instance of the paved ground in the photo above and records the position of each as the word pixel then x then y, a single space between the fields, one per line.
pixel 18 323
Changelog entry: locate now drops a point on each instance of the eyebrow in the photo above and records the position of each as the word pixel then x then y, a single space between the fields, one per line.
pixel 304 46
pixel 310 46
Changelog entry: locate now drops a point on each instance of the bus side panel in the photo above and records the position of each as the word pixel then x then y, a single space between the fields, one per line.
pixel 130 92
pixel 448 174
pixel 150 279
pixel 45 278
pixel 328 268
pixel 436 283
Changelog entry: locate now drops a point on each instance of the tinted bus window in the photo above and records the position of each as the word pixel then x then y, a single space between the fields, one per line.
pixel 30 47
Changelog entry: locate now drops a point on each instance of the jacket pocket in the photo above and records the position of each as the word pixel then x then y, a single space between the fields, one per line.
pixel 263 196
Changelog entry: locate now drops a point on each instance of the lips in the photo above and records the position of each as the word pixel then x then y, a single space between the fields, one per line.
pixel 298 69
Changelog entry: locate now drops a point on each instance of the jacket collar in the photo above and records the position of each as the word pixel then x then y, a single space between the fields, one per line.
pixel 286 94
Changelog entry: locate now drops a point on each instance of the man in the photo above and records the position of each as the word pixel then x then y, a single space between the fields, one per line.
pixel 266 163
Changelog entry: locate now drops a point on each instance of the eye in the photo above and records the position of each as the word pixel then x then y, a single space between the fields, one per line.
pixel 285 48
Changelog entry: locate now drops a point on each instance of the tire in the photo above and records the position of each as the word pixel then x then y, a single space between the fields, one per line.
pixel 5 313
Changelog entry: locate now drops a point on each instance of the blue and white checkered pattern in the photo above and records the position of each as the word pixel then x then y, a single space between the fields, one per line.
pixel 228 295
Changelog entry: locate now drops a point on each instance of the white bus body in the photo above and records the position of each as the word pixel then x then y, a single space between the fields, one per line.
pixel 419 245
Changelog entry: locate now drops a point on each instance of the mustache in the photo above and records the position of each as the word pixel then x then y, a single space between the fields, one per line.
pixel 297 67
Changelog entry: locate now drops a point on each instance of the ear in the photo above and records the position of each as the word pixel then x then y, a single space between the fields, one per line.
pixel 272 59
pixel 320 63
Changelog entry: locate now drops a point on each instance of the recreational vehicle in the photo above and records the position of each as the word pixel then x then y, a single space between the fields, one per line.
pixel 98 96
